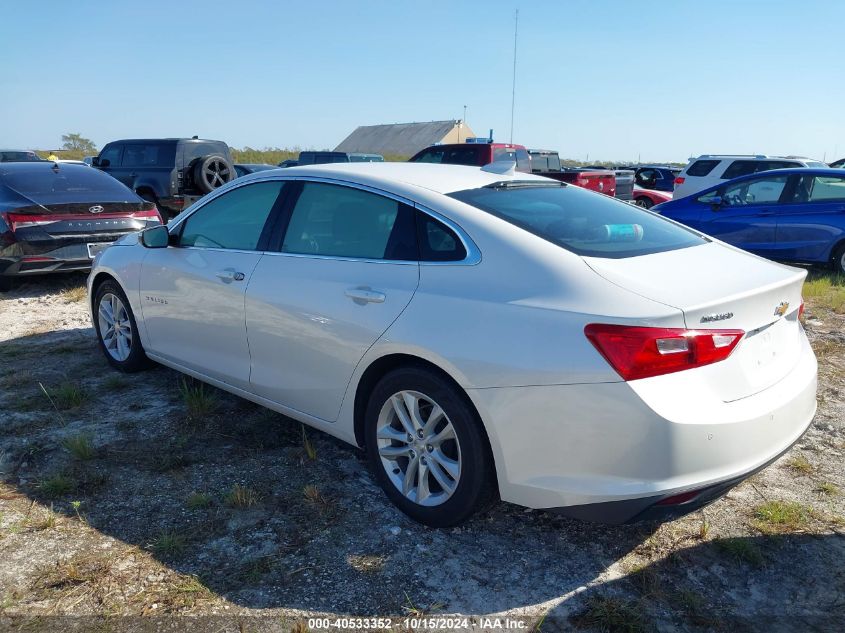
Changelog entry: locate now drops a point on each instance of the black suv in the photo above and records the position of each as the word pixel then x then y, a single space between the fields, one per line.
pixel 172 172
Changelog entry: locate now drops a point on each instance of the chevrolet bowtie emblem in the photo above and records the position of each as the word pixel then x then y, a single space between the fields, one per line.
pixel 783 306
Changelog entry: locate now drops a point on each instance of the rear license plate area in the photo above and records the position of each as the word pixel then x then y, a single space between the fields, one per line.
pixel 97 247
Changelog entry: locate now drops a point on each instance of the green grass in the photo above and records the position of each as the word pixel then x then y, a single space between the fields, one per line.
pixel 741 549
pixel 825 290
pixel 57 485
pixel 198 501
pixel 200 399
pixel 800 465
pixel 169 544
pixel 614 615
pixel 827 488
pixel 80 447
pixel 69 395
pixel 781 516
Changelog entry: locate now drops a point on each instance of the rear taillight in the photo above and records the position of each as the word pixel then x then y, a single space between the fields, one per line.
pixel 641 352
pixel 801 308
pixel 149 214
pixel 21 220
pixel 679 180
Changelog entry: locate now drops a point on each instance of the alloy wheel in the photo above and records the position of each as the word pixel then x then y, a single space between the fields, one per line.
pixel 216 173
pixel 418 448
pixel 115 327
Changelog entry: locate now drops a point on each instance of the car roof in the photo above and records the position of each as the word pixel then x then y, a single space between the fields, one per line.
pixel 751 157
pixel 391 176
pixel 806 171
pixel 164 140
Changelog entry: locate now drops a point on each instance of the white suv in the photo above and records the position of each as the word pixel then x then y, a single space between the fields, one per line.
pixel 708 170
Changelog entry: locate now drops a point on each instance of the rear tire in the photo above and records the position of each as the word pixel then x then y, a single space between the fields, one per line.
pixel 839 259
pixel 422 435
pixel 644 202
pixel 117 330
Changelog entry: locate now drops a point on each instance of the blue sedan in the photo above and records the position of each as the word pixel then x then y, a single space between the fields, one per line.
pixel 792 215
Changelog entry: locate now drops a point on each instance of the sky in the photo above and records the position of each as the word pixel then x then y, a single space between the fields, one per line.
pixel 610 80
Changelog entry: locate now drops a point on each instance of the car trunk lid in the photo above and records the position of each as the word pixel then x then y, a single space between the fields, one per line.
pixel 719 287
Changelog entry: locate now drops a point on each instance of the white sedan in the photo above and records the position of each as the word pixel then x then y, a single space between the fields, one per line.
pixel 480 334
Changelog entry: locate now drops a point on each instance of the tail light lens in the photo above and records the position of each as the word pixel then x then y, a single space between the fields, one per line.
pixel 801 308
pixel 679 180
pixel 642 352
pixel 149 215
pixel 21 220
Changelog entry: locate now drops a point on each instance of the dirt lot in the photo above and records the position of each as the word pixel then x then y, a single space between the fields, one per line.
pixel 150 495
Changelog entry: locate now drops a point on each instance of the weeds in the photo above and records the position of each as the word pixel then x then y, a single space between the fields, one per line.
pixel 741 549
pixel 241 497
pixel 200 400
pixel 74 294
pixel 80 447
pixel 310 451
pixel 168 544
pixel 198 501
pixel 57 485
pixel 827 488
pixel 781 516
pixel 68 395
pixel 606 613
pixel 800 465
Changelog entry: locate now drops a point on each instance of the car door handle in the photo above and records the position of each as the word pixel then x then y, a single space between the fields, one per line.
pixel 229 275
pixel 365 295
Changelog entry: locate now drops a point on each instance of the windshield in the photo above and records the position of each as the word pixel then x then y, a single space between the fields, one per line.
pixel 583 222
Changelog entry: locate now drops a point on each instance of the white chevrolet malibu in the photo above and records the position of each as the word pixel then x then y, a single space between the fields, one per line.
pixel 480 334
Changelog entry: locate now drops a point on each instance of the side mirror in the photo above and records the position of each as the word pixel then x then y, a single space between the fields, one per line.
pixel 155 237
pixel 101 162
pixel 714 201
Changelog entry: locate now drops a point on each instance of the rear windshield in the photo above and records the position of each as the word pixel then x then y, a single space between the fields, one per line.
pixel 18 157
pixel 583 222
pixel 75 183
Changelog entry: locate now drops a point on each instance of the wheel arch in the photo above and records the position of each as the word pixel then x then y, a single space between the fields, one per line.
pixel 383 365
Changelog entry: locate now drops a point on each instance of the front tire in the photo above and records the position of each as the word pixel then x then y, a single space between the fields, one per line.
pixel 117 330
pixel 427 449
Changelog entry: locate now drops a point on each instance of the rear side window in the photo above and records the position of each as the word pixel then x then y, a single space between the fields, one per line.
pixel 820 189
pixel 581 221
pixel 437 242
pixel 148 155
pixel 68 184
pixel 234 220
pixel 337 221
pixel 702 167
pixel 450 155
pixel 523 161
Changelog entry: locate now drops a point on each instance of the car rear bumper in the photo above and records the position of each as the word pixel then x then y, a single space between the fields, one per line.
pixel 37 261
pixel 602 452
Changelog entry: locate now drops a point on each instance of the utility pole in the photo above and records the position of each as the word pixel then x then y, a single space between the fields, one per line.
pixel 513 88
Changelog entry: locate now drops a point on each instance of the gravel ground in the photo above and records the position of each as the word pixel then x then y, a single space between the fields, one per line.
pixel 150 495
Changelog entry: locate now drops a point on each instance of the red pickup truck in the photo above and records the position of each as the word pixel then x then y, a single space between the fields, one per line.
pixel 547 163
pixel 474 152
